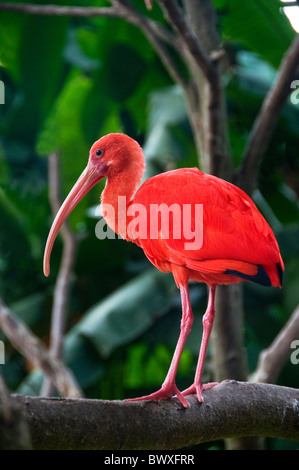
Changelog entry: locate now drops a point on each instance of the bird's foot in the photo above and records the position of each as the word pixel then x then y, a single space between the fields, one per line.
pixel 198 389
pixel 166 391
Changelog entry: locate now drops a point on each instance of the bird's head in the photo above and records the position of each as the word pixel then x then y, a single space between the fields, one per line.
pixel 109 156
pixel 115 153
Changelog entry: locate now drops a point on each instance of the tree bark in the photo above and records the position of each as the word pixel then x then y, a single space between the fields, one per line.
pixel 272 359
pixel 31 347
pixel 230 409
pixel 265 122
pixel 14 430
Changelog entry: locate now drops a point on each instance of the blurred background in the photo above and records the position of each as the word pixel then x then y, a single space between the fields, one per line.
pixel 67 82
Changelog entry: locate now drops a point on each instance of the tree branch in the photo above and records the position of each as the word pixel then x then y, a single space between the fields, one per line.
pixel 230 409
pixel 155 32
pixel 272 359
pixel 266 120
pixel 57 10
pixel 33 349
pixel 157 36
pixel 14 431
pixel 176 18
pixel 206 102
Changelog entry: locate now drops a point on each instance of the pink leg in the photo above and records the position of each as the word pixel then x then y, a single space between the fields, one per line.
pixel 169 387
pixel 207 321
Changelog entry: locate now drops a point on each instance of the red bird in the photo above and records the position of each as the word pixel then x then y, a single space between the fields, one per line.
pixel 217 235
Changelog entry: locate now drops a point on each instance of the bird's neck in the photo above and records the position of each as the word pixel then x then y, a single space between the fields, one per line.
pixel 117 196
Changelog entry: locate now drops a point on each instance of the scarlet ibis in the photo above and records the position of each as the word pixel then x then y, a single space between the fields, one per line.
pixel 234 242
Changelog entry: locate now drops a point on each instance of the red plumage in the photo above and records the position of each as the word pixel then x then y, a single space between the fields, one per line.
pixel 235 235
pixel 231 239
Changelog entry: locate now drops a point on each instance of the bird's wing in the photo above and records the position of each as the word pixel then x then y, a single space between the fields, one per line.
pixel 224 221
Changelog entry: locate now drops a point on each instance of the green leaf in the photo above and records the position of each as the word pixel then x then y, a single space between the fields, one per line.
pixel 282 201
pixel 30 309
pixel 62 129
pixel 258 25
pixel 10 40
pixel 169 139
pixel 63 132
pixel 127 313
pixel 123 65
pixel 146 367
pixel 117 320
pixel 15 251
pixel 74 53
pixel 39 72
pixel 288 238
pixel 4 171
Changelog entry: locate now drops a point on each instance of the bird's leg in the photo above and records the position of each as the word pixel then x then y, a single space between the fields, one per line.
pixel 207 321
pixel 169 387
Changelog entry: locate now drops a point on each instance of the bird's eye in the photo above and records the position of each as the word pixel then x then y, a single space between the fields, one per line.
pixel 99 152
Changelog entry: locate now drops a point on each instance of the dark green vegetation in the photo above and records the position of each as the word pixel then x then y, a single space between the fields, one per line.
pixel 69 81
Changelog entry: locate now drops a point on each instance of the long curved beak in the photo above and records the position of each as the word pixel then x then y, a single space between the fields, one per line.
pixel 85 182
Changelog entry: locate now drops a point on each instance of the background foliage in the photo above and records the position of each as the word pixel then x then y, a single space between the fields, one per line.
pixel 69 81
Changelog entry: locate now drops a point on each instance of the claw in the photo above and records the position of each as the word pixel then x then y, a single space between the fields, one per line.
pixel 198 389
pixel 164 393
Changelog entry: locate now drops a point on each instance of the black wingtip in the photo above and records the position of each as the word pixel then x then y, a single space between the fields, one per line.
pixel 261 277
pixel 280 272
